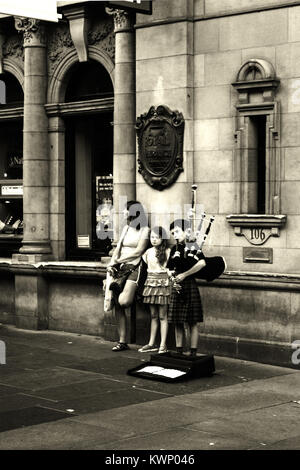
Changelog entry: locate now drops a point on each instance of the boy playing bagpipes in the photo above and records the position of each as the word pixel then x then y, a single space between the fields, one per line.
pixel 185 302
pixel 188 263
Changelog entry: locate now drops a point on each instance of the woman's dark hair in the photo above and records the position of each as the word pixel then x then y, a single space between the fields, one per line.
pixel 137 217
pixel 161 249
pixel 181 223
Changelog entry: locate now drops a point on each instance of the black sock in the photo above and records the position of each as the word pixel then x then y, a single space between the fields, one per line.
pixel 193 351
pixel 179 349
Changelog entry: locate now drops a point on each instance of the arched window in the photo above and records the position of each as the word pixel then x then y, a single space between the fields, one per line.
pixel 89 81
pixel 11 92
pixel 257 139
pixel 257 158
pixel 89 162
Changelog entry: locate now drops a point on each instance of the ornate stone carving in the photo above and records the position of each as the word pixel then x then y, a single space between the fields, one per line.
pixel 122 19
pixel 256 76
pixel 160 141
pixel 13 48
pixel 102 35
pixel 59 44
pixel 32 29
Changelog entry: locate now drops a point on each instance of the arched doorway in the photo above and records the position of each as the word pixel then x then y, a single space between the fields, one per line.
pixel 89 161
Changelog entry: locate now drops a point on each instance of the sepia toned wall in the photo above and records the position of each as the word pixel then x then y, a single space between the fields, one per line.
pixel 190 66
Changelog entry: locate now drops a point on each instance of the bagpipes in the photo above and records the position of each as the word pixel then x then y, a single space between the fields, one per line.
pixel 215 265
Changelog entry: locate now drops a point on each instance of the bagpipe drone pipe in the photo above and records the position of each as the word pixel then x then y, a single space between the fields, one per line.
pixel 215 265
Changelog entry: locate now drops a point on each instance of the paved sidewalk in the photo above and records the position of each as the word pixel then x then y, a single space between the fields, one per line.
pixel 68 391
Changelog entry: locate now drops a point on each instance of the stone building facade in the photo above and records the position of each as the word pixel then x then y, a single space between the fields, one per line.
pixel 231 69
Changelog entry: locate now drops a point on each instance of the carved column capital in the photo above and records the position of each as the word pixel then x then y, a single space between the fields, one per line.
pixel 122 19
pixel 33 31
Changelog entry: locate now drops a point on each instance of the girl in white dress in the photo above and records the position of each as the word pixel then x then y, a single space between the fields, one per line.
pixel 156 291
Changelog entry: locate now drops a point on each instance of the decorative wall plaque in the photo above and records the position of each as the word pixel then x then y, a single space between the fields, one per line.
pixel 257 228
pixel 257 255
pixel 160 142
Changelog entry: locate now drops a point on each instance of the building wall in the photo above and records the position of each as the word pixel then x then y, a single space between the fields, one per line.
pixel 188 56
pixel 190 66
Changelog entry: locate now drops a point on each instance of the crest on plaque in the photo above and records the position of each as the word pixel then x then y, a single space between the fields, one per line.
pixel 160 143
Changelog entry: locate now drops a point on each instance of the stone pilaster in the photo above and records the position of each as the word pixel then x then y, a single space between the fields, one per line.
pixel 124 169
pixel 57 186
pixel 36 243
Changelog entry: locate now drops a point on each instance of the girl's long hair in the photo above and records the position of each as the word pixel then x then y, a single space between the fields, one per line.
pixel 161 249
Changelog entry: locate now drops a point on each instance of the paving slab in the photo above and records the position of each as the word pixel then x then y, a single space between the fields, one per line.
pixel 266 425
pixel 108 401
pixel 155 415
pixel 291 443
pixel 58 435
pixel 30 416
pixel 43 378
pixel 248 370
pixel 59 341
pixel 222 403
pixel 7 370
pixel 39 357
pixel 287 385
pixel 82 389
pixel 180 439
pixel 6 390
pixel 20 400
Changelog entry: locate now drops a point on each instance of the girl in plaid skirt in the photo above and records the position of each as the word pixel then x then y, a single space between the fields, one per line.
pixel 185 303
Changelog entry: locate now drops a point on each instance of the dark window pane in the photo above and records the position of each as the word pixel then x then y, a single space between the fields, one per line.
pixel 89 81
pixel 11 92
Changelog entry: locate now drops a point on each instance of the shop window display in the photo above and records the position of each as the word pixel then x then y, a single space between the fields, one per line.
pixel 11 166
pixel 89 162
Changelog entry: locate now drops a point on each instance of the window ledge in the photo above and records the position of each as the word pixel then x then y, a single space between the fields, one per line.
pixel 257 228
pixel 259 220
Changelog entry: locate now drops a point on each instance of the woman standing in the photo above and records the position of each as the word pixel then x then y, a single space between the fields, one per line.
pixel 125 263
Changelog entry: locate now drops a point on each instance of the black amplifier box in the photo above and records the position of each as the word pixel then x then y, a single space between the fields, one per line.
pixel 174 367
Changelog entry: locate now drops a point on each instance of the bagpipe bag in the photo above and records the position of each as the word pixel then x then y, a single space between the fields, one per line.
pixel 214 267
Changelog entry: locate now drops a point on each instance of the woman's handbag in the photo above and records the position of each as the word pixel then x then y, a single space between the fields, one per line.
pixel 108 295
pixel 121 273
pixel 110 278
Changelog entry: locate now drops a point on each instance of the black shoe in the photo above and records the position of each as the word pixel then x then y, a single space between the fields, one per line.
pixel 120 347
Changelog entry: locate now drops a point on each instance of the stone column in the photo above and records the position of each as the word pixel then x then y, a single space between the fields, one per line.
pixel 36 243
pixel 124 168
pixel 57 186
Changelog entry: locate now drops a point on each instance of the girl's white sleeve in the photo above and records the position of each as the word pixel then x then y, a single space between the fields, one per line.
pixel 145 258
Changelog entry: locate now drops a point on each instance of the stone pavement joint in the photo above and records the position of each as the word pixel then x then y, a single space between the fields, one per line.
pixel 68 391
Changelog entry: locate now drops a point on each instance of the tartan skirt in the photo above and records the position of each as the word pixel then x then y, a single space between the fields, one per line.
pixel 186 305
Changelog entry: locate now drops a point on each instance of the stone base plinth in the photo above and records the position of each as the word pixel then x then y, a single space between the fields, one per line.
pixel 31 259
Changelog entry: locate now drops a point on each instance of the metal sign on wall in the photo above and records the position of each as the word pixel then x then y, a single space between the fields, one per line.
pixel 160 142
